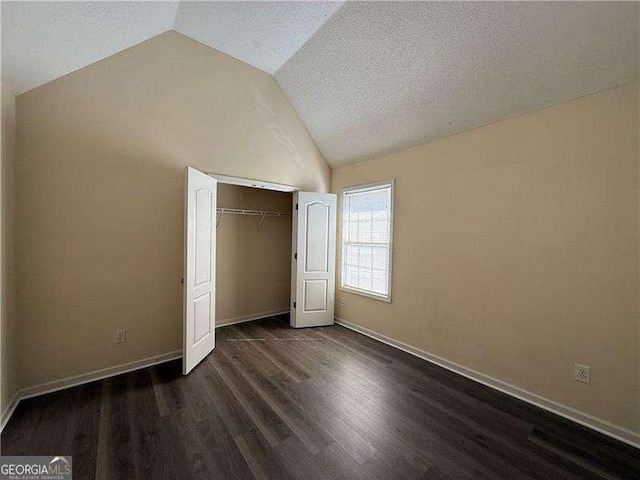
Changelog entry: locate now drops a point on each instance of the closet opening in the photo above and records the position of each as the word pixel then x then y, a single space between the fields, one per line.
pixel 253 253
pixel 253 250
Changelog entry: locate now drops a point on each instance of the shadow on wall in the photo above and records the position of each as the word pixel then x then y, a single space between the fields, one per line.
pixel 105 234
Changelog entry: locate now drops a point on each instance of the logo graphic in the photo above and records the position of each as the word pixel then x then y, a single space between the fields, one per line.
pixel 36 468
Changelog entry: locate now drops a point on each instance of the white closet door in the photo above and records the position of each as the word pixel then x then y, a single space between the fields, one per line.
pixel 314 262
pixel 200 268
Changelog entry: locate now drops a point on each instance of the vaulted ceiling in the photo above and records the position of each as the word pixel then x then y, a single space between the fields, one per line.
pixel 365 77
pixel 42 41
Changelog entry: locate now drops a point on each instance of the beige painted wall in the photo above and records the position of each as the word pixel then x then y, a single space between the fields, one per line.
pixel 516 251
pixel 99 193
pixel 253 268
pixel 8 370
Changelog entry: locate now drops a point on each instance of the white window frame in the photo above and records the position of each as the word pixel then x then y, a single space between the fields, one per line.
pixel 357 291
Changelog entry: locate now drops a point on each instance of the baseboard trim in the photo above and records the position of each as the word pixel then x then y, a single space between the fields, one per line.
pixel 597 424
pixel 75 380
pixel 83 378
pixel 6 415
pixel 589 421
pixel 249 318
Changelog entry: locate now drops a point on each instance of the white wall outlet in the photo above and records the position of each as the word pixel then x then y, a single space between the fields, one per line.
pixel 582 373
pixel 343 301
pixel 121 335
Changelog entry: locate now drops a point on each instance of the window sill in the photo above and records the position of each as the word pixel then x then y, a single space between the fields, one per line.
pixel 366 294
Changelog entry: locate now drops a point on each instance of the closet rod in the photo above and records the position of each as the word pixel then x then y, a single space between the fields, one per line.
pixel 256 213
pixel 241 211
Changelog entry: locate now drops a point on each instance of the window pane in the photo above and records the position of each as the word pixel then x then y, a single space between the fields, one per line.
pixel 366 257
pixel 353 231
pixel 366 238
pixel 380 232
pixel 380 258
pixel 364 278
pixel 352 255
pixel 379 281
pixel 352 275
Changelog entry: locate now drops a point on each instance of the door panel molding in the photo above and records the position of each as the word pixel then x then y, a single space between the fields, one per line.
pixel 316 293
pixel 315 243
pixel 199 268
pixel 313 259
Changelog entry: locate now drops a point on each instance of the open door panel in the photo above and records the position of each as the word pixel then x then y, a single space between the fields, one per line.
pixel 199 268
pixel 313 264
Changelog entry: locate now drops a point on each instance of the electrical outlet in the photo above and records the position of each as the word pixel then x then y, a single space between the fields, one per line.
pixel 121 335
pixel 582 373
pixel 343 301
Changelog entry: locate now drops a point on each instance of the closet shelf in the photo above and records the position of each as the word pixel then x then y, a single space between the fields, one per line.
pixel 255 213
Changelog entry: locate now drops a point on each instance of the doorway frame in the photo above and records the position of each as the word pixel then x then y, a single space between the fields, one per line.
pixel 279 187
pixel 250 182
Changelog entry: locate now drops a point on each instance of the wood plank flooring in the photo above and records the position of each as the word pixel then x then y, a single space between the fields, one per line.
pixel 327 403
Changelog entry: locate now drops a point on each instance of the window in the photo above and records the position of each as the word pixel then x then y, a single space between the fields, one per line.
pixel 367 231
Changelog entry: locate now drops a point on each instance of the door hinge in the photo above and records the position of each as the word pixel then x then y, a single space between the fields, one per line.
pixel 294 304
pixel 296 206
pixel 295 255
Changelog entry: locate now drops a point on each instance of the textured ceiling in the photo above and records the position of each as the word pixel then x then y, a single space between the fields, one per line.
pixel 386 75
pixel 262 34
pixel 42 41
pixel 365 77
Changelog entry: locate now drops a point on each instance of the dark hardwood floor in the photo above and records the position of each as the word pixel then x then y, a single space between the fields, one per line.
pixel 325 403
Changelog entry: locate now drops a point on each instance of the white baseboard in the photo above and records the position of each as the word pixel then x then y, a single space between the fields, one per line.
pixel 249 318
pixel 75 380
pixel 597 424
pixel 83 378
pixel 8 411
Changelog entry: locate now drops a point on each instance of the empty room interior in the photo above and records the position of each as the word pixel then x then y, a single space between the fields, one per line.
pixel 320 240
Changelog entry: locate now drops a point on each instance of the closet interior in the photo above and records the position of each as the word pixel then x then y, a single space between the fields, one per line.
pixel 253 253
